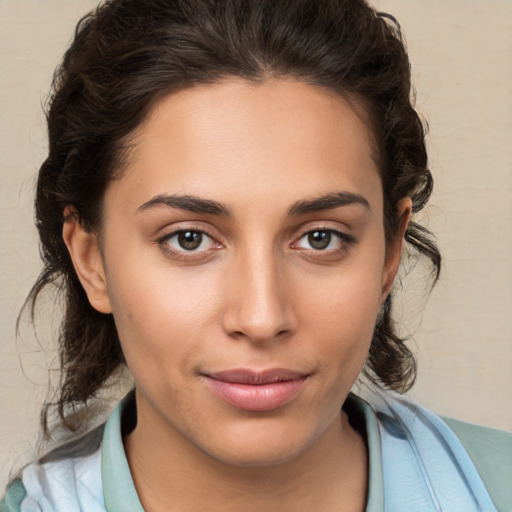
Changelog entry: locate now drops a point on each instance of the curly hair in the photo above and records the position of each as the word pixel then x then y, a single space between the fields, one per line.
pixel 126 54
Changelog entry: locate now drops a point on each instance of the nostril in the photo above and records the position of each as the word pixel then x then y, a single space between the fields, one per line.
pixel 261 337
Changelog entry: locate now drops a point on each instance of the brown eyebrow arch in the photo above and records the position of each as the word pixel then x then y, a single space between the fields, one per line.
pixel 328 202
pixel 187 202
pixel 207 206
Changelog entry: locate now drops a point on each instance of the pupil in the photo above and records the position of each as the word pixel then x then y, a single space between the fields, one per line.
pixel 190 240
pixel 319 239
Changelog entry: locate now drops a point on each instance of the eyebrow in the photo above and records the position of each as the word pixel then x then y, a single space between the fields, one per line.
pixel 187 202
pixel 207 206
pixel 328 202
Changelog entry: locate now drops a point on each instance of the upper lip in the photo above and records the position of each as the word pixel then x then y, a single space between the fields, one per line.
pixel 256 377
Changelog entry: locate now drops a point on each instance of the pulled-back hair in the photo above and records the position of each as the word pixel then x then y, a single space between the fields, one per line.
pixel 128 53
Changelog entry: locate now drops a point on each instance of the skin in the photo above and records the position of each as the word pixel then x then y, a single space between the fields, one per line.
pixel 255 294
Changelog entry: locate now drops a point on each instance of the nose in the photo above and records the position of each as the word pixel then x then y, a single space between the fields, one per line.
pixel 260 308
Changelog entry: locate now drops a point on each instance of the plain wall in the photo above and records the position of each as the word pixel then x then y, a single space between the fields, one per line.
pixel 462 65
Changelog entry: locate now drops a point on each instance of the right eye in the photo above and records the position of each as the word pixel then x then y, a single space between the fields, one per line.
pixel 188 244
pixel 188 240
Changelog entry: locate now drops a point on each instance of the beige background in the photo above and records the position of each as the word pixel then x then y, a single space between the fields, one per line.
pixel 462 64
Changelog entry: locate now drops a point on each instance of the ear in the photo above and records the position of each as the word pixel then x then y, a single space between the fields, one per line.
pixel 86 257
pixel 394 249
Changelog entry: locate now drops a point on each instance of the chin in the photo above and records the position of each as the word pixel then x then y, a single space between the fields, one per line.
pixel 262 448
pixel 258 457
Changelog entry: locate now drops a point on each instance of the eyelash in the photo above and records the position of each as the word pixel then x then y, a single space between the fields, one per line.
pixel 344 239
pixel 183 254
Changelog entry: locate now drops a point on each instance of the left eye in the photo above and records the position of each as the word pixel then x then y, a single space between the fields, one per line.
pixel 190 241
pixel 320 240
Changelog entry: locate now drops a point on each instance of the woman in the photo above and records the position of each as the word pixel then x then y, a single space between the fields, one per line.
pixel 227 193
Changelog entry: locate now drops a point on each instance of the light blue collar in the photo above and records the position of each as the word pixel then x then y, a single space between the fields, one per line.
pixel 424 464
pixel 119 491
pixel 118 488
pixel 415 461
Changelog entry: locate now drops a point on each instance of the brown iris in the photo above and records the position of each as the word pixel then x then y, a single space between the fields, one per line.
pixel 190 240
pixel 319 239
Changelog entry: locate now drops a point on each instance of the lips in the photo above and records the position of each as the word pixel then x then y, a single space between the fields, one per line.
pixel 256 391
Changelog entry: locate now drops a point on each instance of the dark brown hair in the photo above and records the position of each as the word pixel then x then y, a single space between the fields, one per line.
pixel 128 53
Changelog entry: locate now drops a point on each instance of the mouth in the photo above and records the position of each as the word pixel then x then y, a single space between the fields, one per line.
pixel 256 390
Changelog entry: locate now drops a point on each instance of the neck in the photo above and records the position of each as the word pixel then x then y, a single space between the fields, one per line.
pixel 330 474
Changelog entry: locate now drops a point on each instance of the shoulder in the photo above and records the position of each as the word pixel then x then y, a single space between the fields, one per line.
pixel 427 460
pixel 491 453
pixel 67 478
pixel 14 495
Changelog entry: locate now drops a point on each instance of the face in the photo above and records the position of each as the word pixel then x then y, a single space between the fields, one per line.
pixel 244 260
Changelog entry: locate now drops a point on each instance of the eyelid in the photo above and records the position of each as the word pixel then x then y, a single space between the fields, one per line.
pixel 185 255
pixel 342 236
pixel 180 226
pixel 325 226
pixel 346 240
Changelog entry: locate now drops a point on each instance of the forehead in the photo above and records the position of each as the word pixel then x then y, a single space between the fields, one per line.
pixel 252 139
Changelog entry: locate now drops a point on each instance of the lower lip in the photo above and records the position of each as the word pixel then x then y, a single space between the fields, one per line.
pixel 250 397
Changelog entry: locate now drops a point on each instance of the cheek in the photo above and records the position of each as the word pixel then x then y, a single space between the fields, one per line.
pixel 159 314
pixel 146 291
pixel 347 300
pixel 342 313
pixel 348 330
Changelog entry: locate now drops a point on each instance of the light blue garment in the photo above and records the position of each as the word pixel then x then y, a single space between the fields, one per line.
pixel 416 464
pixel 67 485
pixel 425 466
